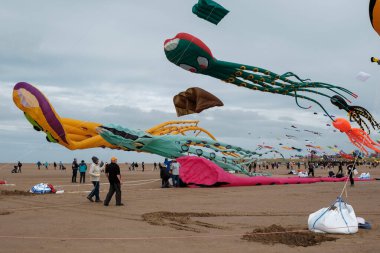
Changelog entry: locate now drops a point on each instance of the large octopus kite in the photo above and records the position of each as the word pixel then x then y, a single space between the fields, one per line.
pixel 356 113
pixel 357 136
pixel 190 53
pixel 167 139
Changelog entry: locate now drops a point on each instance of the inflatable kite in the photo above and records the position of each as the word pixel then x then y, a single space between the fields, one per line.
pixel 356 113
pixel 357 136
pixel 335 149
pixel 197 171
pixel 167 139
pixel 194 100
pixel 312 146
pixel 297 130
pixel 190 53
pixel 377 60
pixel 263 146
pixel 210 11
pixel 313 132
pixel 290 136
pixel 374 15
pixel 292 148
pixel 76 134
pixel 346 156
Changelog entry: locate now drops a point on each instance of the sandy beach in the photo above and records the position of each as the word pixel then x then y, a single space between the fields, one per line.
pixel 172 220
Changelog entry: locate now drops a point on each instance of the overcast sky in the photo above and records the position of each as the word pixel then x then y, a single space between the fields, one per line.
pixel 103 61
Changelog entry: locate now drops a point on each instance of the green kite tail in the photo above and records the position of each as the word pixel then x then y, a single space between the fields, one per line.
pixel 190 53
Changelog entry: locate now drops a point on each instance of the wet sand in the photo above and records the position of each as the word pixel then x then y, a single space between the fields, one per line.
pixel 175 219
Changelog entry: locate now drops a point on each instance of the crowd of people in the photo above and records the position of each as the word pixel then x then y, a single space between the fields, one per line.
pixel 310 167
pixel 169 172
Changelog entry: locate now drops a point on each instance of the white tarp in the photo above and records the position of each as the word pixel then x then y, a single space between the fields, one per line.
pixel 40 188
pixel 365 176
pixel 339 218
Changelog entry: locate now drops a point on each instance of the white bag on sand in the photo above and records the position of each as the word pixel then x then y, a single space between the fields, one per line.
pixel 40 188
pixel 365 176
pixel 339 218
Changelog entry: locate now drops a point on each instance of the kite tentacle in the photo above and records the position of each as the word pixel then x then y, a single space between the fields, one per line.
pixel 316 102
pixel 296 98
pixel 291 74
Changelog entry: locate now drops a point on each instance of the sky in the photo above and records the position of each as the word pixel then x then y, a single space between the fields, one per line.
pixel 103 61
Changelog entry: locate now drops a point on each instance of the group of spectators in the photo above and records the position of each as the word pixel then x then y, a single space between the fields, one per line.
pixel 82 167
pixel 169 169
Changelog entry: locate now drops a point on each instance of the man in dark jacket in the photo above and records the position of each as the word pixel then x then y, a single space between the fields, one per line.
pixel 114 177
pixel 75 167
pixel 350 172
pixel 164 174
pixel 19 165
pixel 311 169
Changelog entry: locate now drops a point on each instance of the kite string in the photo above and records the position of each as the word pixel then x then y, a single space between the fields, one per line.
pixel 349 174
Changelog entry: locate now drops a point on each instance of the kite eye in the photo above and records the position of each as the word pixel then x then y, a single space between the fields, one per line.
pixel 138 145
pixel 203 62
pixel 170 45
pixel 188 68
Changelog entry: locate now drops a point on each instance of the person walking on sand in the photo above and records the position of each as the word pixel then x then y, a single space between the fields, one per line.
pixel 142 166
pixel 154 166
pixel 55 165
pixel 350 172
pixel 82 171
pixel 39 165
pixel 60 165
pixel 74 167
pixel 94 172
pixel 46 165
pixel 114 177
pixel 19 165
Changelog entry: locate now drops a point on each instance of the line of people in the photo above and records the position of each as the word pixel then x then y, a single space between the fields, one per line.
pixel 46 165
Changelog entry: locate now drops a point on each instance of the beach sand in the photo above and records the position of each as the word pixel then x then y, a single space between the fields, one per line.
pixel 175 219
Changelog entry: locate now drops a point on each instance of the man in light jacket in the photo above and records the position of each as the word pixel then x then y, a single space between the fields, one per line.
pixel 94 172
